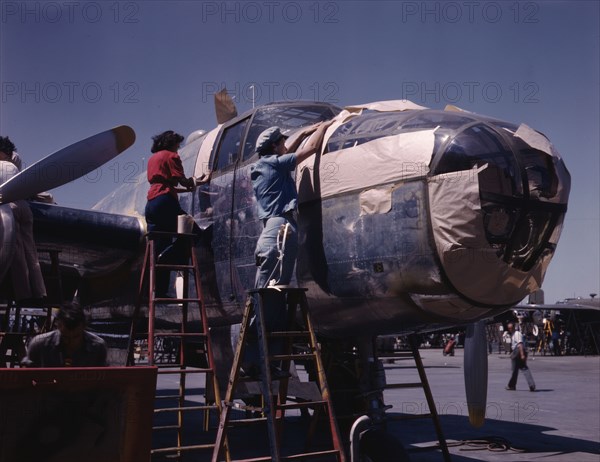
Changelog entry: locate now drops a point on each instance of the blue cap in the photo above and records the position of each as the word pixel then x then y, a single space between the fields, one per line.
pixel 268 138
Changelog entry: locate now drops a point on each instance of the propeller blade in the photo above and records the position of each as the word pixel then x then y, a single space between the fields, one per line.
pixel 67 164
pixel 476 372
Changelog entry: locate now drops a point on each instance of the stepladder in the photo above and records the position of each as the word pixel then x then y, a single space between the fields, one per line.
pixel 175 338
pixel 277 339
pixel 424 384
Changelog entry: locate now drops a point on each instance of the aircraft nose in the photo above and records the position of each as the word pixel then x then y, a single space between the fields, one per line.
pixel 498 196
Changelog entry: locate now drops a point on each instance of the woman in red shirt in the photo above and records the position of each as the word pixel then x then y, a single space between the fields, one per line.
pixel 165 173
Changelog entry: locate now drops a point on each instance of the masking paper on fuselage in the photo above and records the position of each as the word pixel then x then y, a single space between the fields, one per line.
pixel 538 141
pixel 202 166
pixel 386 160
pixel 468 260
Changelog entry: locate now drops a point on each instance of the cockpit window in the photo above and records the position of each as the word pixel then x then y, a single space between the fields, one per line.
pixel 432 119
pixel 286 117
pixel 371 125
pixel 229 148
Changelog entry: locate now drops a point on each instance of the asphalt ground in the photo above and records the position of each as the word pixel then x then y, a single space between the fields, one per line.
pixel 560 421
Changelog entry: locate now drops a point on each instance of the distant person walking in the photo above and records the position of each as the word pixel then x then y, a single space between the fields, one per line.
pixel 518 358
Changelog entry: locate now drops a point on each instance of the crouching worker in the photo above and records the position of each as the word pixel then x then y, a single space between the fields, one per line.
pixel 70 345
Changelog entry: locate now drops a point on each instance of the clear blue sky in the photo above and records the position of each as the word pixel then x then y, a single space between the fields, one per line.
pixel 71 69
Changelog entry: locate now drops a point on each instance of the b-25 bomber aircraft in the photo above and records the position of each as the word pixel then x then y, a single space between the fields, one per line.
pixel 410 220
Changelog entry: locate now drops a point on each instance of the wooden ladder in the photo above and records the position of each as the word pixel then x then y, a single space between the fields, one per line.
pixel 275 402
pixel 424 384
pixel 178 363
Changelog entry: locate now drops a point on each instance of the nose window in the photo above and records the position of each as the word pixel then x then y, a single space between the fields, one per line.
pixel 476 147
pixel 517 224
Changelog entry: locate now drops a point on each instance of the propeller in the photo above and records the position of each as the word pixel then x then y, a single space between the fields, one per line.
pixel 67 164
pixel 476 372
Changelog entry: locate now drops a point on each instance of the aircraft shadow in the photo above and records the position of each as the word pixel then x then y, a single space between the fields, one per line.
pixel 521 439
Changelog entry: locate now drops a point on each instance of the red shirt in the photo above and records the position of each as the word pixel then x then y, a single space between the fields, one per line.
pixel 164 167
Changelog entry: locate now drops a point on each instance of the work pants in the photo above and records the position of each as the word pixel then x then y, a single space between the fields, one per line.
pixel 271 267
pixel 520 365
pixel 161 215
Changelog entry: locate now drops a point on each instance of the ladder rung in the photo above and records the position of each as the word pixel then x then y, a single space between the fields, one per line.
pixel 166 427
pixel 301 405
pixel 196 447
pixel 300 357
pixel 180 334
pixel 173 267
pixel 242 422
pixel 167 397
pixel 184 409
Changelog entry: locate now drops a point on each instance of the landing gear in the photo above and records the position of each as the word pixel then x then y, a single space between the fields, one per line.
pixel 357 379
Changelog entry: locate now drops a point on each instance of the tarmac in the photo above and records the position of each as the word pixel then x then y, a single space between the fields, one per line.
pixel 560 421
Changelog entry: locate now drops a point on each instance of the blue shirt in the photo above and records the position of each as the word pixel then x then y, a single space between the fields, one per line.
pixel 273 185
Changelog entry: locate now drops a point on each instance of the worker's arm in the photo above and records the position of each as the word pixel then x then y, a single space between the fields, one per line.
pixel 191 182
pixel 313 143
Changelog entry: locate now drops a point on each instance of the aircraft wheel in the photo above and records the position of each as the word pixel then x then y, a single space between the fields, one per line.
pixel 377 445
